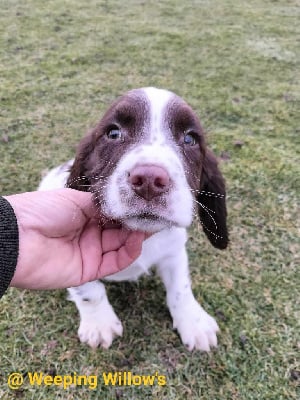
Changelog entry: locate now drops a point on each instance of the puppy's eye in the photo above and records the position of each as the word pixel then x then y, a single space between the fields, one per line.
pixel 114 134
pixel 190 139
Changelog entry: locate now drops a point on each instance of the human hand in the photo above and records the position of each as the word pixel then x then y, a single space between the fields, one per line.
pixel 61 243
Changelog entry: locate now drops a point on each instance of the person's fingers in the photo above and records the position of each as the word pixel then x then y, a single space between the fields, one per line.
pixel 83 200
pixel 114 261
pixel 91 251
pixel 113 239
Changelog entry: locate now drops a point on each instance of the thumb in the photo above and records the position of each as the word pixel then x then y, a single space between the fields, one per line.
pixel 117 260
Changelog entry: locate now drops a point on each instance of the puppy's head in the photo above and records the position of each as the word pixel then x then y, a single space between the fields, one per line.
pixel 148 167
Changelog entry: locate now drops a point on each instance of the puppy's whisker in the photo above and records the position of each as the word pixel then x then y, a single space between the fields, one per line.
pixel 208 210
pixel 208 230
pixel 83 185
pixel 85 178
pixel 204 207
pixel 199 222
pixel 209 194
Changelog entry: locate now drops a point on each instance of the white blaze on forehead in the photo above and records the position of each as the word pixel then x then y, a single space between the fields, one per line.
pixel 158 100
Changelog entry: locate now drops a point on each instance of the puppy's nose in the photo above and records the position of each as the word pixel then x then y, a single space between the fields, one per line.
pixel 149 181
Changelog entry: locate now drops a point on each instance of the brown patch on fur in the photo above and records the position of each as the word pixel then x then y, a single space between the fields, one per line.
pixel 97 154
pixel 202 172
pixel 181 119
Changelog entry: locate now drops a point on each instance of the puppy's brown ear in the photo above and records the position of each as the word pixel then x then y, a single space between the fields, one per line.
pixel 212 202
pixel 79 176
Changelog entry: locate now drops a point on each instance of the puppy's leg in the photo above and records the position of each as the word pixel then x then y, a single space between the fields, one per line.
pixel 98 321
pixel 196 327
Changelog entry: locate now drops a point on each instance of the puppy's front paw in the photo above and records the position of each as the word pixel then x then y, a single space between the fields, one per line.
pixel 100 329
pixel 197 329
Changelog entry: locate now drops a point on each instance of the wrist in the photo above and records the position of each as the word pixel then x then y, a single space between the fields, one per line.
pixel 9 244
pixel 22 206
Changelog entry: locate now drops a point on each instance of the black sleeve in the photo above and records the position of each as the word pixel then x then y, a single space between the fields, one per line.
pixel 9 244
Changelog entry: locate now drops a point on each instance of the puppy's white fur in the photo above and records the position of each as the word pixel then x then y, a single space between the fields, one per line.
pixel 165 249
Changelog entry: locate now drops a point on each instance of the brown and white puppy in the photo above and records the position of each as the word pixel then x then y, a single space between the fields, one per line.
pixel 148 167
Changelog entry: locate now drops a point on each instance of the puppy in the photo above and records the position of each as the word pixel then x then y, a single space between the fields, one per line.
pixel 148 167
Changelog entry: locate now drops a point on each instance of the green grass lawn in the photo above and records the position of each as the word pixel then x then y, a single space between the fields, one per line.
pixel 237 64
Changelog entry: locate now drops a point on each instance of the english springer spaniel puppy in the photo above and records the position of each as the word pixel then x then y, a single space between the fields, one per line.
pixel 148 167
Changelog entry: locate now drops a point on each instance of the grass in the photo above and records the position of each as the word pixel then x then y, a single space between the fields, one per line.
pixel 237 64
